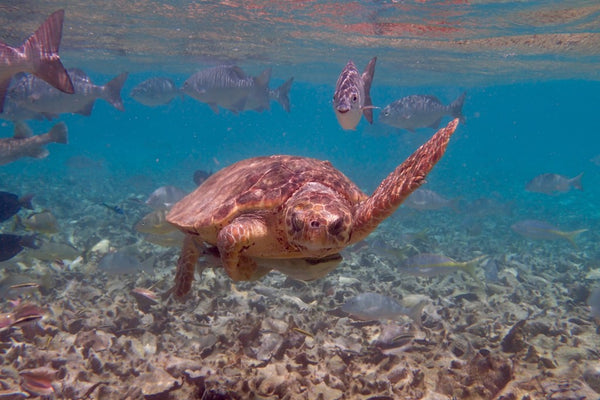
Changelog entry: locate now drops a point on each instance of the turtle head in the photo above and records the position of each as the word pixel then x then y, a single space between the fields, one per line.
pixel 318 220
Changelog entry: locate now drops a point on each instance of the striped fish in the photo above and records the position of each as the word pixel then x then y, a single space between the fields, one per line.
pixel 351 98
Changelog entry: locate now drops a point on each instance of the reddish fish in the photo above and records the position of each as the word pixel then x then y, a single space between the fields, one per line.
pixel 38 56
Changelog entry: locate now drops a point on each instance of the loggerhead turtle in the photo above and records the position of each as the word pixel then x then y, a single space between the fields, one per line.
pixel 287 207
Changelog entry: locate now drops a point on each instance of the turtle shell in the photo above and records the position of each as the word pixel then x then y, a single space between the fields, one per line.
pixel 255 185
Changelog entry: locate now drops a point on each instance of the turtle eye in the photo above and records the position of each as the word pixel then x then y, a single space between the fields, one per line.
pixel 297 223
pixel 336 227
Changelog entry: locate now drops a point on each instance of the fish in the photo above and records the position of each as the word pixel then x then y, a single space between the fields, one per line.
pixel 10 204
pixel 50 251
pixel 124 261
pixel 594 302
pixel 164 197
pixel 542 230
pixel 38 56
pixel 430 265
pixel 116 209
pixel 171 239
pixel 228 86
pixel 420 111
pixel 552 184
pixel 23 144
pixel 200 176
pixel 352 97
pixel 424 199
pixel 155 91
pixel 35 94
pixel 42 222
pixel 11 245
pixel 374 306
pixel 281 94
pixel 155 223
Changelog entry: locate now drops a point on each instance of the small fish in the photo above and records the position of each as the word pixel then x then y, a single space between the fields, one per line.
pixel 418 111
pixel 114 208
pixel 38 381
pixel 553 184
pixel 352 97
pixel 38 55
pixel 50 251
pixel 21 289
pixel 164 197
pixel 594 302
pixel 155 223
pixel 429 265
pixel 541 230
pixel 200 176
pixel 171 239
pixel 23 144
pixel 373 306
pixel 36 95
pixel 10 204
pixel 11 245
pixel 424 199
pixel 155 91
pixel 229 87
pixel 42 222
pixel 124 261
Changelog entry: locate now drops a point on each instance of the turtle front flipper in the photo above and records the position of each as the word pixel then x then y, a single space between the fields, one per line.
pixel 241 234
pixel 398 185
pixel 186 265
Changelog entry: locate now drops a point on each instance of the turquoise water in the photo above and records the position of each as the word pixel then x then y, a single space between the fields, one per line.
pixel 530 71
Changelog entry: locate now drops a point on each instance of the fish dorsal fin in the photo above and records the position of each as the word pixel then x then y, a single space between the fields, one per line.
pixel 22 130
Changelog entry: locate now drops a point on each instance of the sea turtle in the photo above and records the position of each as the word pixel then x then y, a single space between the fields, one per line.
pixel 287 207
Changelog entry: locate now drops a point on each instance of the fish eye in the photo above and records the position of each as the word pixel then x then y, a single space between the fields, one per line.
pixel 354 98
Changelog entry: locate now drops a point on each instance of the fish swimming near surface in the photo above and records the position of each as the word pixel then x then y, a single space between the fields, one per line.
pixel 155 91
pixel 425 199
pixel 541 230
pixel 23 144
pixel 10 204
pixel 352 97
pixel 11 245
pixel 229 87
pixel 553 184
pixel 164 197
pixel 42 222
pixel 35 94
pixel 38 56
pixel 373 306
pixel 419 111
pixel 430 265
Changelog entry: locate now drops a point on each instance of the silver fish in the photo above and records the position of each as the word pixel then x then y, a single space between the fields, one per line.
pixel 430 265
pixel 155 92
pixel 164 197
pixel 424 199
pixel 541 230
pixel 594 302
pixel 553 184
pixel 373 306
pixel 36 95
pixel 23 144
pixel 38 55
pixel 352 97
pixel 418 111
pixel 229 87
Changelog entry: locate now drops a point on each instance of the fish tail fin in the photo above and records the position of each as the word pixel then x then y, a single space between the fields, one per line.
pixel 367 77
pixel 25 201
pixel 456 107
pixel 59 134
pixel 576 182
pixel 112 91
pixel 470 267
pixel 570 236
pixel 42 50
pixel 415 312
pixel 30 241
pixel 281 94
